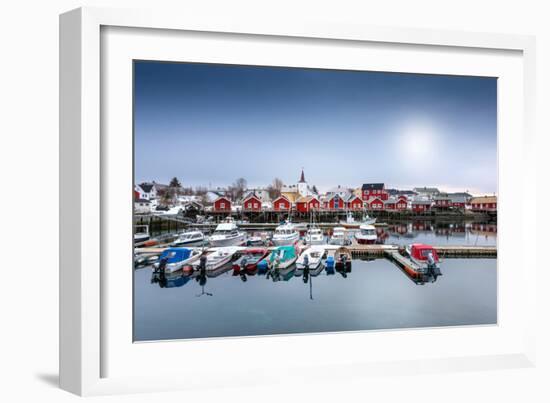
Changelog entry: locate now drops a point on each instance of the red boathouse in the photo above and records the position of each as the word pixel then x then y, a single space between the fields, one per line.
pixel 282 203
pixel 306 204
pixel 252 203
pixel 355 203
pixel 375 204
pixel 222 203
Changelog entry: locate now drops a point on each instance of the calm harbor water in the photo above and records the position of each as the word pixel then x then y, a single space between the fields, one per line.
pixel 374 295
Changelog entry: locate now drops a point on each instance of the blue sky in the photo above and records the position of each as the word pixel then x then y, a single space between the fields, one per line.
pixel 210 124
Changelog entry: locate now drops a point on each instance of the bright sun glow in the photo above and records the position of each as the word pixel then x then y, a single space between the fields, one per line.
pixel 418 143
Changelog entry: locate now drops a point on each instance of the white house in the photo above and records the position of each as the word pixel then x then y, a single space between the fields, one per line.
pixel 148 191
pixel 426 192
pixel 341 191
pixel 142 206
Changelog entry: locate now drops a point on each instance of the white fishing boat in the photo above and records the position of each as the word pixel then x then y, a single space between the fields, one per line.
pixel 141 233
pixel 366 234
pixel 227 234
pixel 190 238
pixel 311 257
pixel 285 234
pixel 339 236
pixel 314 236
pixel 351 223
pixel 219 257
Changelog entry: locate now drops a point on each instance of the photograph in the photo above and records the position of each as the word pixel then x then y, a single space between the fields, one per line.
pixel 274 200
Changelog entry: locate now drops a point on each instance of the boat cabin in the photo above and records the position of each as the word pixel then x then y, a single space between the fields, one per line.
pixel 175 255
pixel 421 252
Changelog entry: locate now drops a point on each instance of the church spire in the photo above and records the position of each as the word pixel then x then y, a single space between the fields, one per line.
pixel 302 177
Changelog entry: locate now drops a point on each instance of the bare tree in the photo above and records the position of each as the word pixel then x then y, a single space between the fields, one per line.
pixel 275 188
pixel 201 191
pixel 278 184
pixel 238 188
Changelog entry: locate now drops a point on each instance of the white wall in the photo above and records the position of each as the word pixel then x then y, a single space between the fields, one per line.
pixel 29 154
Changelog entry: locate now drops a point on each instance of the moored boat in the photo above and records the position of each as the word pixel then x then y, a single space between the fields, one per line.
pixel 419 261
pixel 281 257
pixel 227 234
pixel 342 258
pixel 311 257
pixel 220 257
pixel 141 233
pixel 285 234
pixel 190 238
pixel 424 261
pixel 174 259
pixel 366 234
pixel 249 259
pixel 339 236
pixel 255 241
pixel 314 236
pixel 350 222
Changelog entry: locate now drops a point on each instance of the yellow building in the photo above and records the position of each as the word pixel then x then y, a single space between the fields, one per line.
pixel 292 196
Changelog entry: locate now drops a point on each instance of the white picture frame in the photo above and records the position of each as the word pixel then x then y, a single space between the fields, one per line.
pixel 88 338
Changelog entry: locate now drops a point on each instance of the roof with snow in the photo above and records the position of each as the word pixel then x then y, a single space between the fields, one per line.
pixel 372 186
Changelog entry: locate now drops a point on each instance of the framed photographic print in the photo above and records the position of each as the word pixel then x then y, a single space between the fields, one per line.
pixel 237 198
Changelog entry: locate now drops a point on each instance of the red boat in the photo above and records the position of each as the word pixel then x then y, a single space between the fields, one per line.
pixel 249 259
pixel 423 261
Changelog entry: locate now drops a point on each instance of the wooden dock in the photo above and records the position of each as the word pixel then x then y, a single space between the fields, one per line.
pixel 380 251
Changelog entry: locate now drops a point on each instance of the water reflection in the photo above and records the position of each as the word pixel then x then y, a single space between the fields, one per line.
pixel 201 276
pixel 170 280
pixel 374 294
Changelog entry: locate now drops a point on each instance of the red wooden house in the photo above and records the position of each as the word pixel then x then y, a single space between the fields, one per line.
pixel 335 202
pixel 374 190
pixel 460 200
pixel 443 202
pixel 354 203
pixel 252 203
pixel 420 206
pixel 401 203
pixel 308 203
pixel 389 204
pixel 222 203
pixel 281 203
pixel 375 204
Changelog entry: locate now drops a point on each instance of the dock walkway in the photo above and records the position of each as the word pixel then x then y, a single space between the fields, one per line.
pixel 380 251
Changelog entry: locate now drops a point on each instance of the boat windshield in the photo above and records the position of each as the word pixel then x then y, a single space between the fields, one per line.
pixel 224 232
pixel 284 232
pixel 368 232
